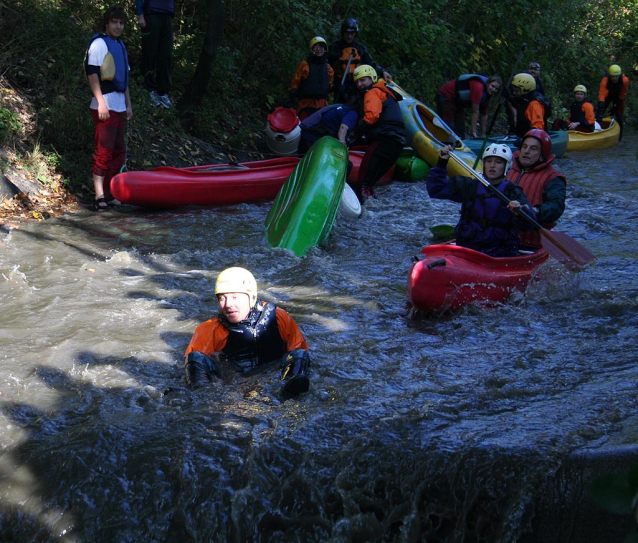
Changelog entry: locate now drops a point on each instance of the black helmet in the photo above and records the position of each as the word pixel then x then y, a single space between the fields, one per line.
pixel 349 25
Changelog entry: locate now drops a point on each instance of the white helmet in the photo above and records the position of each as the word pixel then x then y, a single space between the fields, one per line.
pixel 499 150
pixel 237 280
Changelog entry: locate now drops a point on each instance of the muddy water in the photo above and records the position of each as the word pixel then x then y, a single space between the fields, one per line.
pixel 440 430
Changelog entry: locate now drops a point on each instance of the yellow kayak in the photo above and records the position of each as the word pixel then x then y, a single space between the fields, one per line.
pixel 601 139
pixel 427 133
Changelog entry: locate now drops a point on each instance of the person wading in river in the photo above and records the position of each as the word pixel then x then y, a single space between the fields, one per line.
pixel 544 186
pixel 487 224
pixel 249 333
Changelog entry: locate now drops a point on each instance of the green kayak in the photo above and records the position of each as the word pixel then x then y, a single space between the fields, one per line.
pixel 410 166
pixel 306 207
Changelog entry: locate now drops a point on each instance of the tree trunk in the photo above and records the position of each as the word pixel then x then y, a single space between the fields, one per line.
pixel 198 85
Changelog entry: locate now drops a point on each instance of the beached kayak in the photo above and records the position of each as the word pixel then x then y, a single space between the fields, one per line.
pixel 559 142
pixel 449 277
pixel 427 133
pixel 305 209
pixel 215 184
pixel 601 139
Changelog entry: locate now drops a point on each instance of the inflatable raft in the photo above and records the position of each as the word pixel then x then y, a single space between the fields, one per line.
pixel 305 209
pixel 449 277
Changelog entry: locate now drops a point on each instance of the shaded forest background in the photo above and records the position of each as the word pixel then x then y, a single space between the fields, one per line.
pixel 233 61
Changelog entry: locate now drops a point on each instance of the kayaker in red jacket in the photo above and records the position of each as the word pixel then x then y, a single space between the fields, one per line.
pixel 544 186
pixel 487 224
pixel 469 91
pixel 248 333
pixel 383 128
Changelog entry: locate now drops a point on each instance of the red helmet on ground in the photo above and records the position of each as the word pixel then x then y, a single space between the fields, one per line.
pixel 543 137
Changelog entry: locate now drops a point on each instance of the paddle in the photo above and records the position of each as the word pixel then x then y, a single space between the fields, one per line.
pixel 498 108
pixel 562 247
pixel 337 93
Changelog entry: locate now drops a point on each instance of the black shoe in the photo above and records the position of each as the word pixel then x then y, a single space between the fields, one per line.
pixel 295 386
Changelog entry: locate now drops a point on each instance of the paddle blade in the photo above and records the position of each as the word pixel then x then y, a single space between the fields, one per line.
pixel 566 249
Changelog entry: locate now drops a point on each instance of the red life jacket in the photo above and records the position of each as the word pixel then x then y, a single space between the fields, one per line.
pixel 534 182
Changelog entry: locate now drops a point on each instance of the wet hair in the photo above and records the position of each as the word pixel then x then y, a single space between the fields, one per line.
pixel 114 12
pixel 494 79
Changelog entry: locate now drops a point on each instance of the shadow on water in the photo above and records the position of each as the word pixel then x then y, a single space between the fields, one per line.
pixel 486 425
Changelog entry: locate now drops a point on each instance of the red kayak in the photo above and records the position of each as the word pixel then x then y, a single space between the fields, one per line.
pixel 217 184
pixel 450 277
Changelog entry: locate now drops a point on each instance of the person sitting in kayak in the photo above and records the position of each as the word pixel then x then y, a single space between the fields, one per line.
pixel 530 107
pixel 581 113
pixel 469 91
pixel 487 224
pixel 544 186
pixel 312 82
pixel 383 128
pixel 336 120
pixel 248 333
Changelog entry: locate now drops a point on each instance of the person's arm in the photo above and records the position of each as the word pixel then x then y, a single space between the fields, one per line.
pixel 343 132
pixel 366 58
pixel 475 119
pixel 129 107
pixel 209 337
pixel 139 10
pixel 625 88
pixel 290 332
pixel 102 110
pixel 535 114
pixel 520 204
pixel 553 205
pixel 301 72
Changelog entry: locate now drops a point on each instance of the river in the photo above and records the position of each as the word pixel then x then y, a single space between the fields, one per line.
pixel 440 429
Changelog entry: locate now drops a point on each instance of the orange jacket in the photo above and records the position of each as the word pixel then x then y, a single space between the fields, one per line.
pixel 211 336
pixel 535 114
pixel 603 91
pixel 303 71
pixel 373 102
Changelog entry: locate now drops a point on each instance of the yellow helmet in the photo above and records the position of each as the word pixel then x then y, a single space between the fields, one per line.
pixel 318 39
pixel 525 82
pixel 237 280
pixel 580 88
pixel 365 70
pixel 614 70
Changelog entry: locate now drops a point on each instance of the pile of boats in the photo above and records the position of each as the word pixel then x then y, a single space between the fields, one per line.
pixel 309 194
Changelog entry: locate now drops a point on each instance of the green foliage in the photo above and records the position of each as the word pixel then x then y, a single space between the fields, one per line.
pixel 9 125
pixel 422 43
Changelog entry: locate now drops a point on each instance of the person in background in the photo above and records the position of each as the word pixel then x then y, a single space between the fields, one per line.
pixel 345 56
pixel 249 333
pixel 383 128
pixel 336 120
pixel 107 69
pixel 544 186
pixel 530 107
pixel 469 91
pixel 487 224
pixel 613 89
pixel 155 20
pixel 581 113
pixel 534 69
pixel 312 81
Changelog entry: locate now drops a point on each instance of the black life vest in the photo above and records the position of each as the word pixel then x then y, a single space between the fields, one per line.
pixel 117 50
pixel 462 90
pixel 614 88
pixel 317 84
pixel 577 113
pixel 390 122
pixel 255 340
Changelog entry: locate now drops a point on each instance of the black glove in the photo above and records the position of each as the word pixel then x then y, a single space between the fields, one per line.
pixel 294 373
pixel 200 368
pixel 601 111
pixel 357 133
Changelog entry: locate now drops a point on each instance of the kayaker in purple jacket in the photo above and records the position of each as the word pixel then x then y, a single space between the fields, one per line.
pixel 487 224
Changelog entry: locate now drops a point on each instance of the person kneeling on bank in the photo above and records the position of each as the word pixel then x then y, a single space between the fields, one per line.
pixel 248 333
